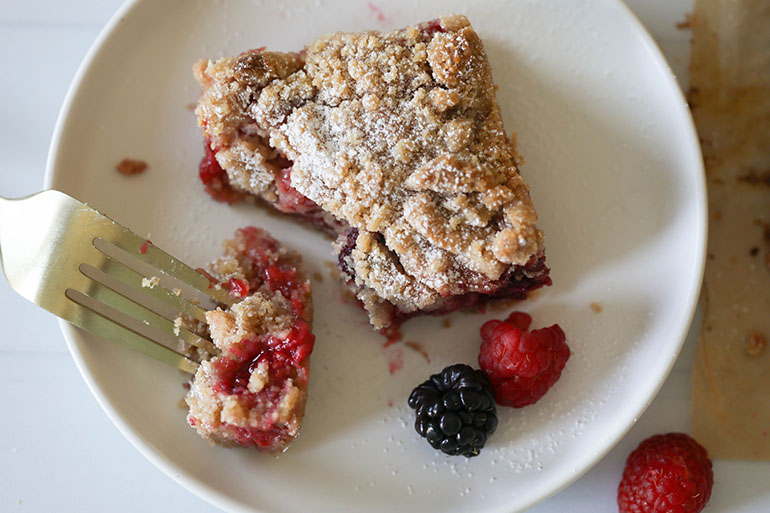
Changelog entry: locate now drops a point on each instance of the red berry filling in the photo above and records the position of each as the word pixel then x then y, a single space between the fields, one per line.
pixel 250 437
pixel 667 473
pixel 258 250
pixel 289 200
pixel 215 179
pixel 431 27
pixel 238 288
pixel 521 365
pixel 280 275
pixel 213 282
pixel 266 265
pixel 283 358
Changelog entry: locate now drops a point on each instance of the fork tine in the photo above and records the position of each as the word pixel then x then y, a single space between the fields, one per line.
pixel 47 236
pixel 101 320
pixel 125 305
pixel 145 251
pixel 171 304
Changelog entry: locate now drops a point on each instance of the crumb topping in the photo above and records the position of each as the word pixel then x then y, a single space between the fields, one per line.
pixel 150 282
pixel 396 134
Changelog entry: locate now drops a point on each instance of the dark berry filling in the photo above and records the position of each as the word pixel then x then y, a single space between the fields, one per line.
pixel 515 283
pixel 344 253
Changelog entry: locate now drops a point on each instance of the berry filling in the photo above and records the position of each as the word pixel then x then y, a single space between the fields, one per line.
pixel 238 288
pixel 289 200
pixel 277 362
pixel 280 356
pixel 215 178
pixel 431 27
pixel 515 283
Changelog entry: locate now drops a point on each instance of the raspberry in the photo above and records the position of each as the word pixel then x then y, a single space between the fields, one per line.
pixel 521 365
pixel 666 473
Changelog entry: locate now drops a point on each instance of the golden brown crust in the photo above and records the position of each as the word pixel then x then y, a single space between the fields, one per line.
pixel 398 134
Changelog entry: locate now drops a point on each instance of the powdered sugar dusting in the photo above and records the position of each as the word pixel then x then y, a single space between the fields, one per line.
pixel 397 135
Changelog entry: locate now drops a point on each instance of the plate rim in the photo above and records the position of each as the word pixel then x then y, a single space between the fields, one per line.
pixel 70 332
pixel 221 500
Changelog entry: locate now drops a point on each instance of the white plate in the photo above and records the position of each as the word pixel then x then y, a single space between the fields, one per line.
pixel 616 175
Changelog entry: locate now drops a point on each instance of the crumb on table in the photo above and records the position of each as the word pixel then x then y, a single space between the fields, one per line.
pixel 687 22
pixel 756 343
pixel 596 307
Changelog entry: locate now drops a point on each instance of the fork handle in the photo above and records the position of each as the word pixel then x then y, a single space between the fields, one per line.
pixel 30 227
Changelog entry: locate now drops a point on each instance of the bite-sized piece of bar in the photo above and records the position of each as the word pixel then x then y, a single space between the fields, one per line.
pixel 253 393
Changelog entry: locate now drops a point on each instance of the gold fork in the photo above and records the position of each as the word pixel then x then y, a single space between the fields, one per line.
pixel 87 269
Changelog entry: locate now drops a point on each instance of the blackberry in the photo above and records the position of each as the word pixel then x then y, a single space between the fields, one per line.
pixel 455 410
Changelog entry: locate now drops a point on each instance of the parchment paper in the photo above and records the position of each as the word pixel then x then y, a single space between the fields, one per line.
pixel 730 100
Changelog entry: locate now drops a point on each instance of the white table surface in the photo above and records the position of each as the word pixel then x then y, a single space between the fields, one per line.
pixel 59 452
